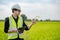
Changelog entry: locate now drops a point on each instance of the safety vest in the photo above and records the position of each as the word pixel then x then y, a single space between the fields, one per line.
pixel 12 26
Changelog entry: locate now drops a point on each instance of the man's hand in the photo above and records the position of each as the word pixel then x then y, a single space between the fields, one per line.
pixel 11 31
pixel 33 22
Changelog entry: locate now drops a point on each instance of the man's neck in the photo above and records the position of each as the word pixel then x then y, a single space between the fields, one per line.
pixel 15 16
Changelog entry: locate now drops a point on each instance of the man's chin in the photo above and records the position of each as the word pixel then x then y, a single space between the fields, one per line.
pixel 18 14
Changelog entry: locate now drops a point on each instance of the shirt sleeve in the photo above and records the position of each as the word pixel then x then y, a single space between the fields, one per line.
pixel 25 26
pixel 6 25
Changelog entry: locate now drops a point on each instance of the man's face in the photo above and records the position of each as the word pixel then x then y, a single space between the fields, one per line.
pixel 17 12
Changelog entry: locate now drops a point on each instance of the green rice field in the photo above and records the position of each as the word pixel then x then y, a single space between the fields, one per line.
pixel 39 31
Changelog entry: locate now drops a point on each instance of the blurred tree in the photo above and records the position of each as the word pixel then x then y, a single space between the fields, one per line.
pixel 47 19
pixel 41 20
pixel 28 19
pixel 24 16
pixel 36 19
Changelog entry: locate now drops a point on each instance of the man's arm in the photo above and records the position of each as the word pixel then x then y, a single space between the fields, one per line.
pixel 33 22
pixel 27 27
pixel 6 26
pixel 12 31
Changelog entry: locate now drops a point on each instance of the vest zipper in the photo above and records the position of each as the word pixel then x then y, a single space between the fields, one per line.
pixel 18 31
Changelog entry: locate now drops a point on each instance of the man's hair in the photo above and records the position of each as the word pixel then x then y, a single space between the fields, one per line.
pixel 12 10
pixel 16 10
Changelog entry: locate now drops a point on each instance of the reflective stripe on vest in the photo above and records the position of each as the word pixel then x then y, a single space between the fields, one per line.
pixel 12 26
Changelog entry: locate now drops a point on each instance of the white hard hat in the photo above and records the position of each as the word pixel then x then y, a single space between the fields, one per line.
pixel 16 6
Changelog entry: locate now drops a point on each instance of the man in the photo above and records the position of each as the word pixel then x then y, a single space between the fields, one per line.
pixel 15 25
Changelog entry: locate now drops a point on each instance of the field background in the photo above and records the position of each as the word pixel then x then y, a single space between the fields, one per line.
pixel 39 31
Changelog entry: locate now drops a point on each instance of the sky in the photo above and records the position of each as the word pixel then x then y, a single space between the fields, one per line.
pixel 45 9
